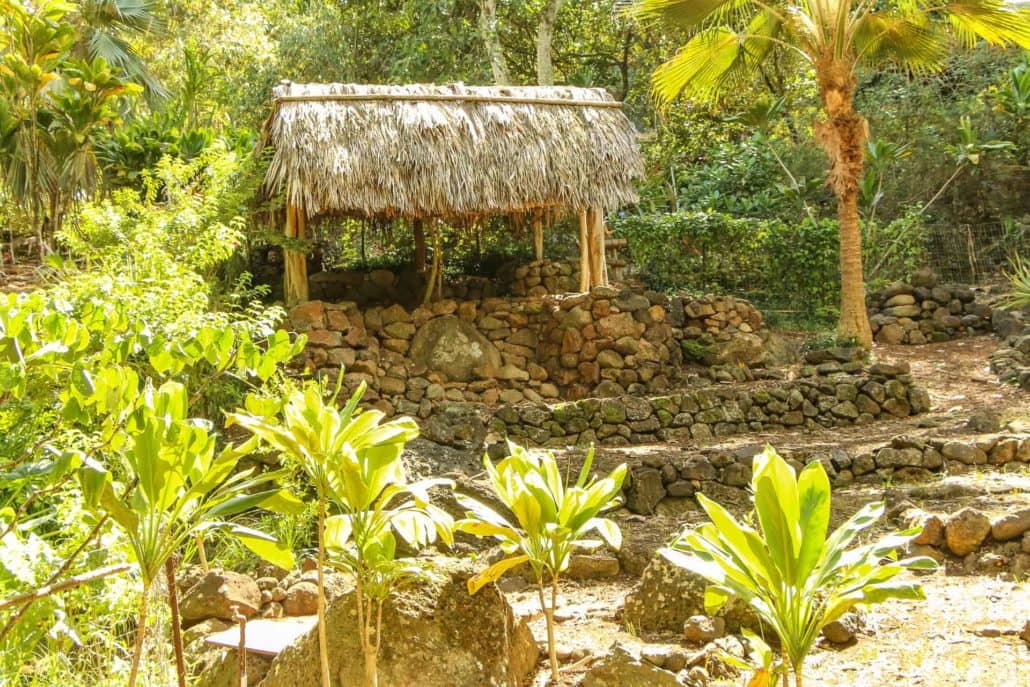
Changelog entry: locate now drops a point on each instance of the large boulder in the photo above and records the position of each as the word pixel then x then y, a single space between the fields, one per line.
pixel 667 596
pixel 434 634
pixel 621 669
pixel 216 594
pixel 454 348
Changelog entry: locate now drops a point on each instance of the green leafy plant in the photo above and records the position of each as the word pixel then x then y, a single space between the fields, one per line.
pixel 179 487
pixel 553 519
pixel 353 459
pixel 1019 279
pixel 795 578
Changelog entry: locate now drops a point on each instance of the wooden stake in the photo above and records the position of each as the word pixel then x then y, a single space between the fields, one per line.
pixel 202 553
pixel 173 605
pixel 584 252
pixel 242 647
pixel 295 285
pixel 538 234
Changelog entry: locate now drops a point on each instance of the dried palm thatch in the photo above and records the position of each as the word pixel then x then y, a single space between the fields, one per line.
pixel 449 151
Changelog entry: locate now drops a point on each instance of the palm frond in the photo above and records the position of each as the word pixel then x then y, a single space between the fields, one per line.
pixel 909 40
pixel 691 13
pixel 716 60
pixel 993 21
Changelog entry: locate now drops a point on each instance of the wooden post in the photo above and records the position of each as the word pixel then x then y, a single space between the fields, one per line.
pixel 173 606
pixel 295 286
pixel 538 234
pixel 595 244
pixel 584 252
pixel 420 245
pixel 241 648
pixel 598 270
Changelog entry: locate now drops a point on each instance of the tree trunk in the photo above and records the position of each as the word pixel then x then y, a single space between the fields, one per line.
pixel 492 42
pixel 843 135
pixel 544 38
pixel 323 645
pixel 141 629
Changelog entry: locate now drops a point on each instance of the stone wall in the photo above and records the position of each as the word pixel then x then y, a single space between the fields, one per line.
pixel 840 399
pixel 905 458
pixel 542 277
pixel 604 343
pixel 1011 362
pixel 926 311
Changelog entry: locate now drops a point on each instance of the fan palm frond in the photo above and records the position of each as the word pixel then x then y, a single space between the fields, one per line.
pixel 909 40
pixel 717 59
pixel 993 21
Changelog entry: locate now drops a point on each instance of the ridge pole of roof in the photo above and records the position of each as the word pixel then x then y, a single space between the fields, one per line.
pixel 538 234
pixel 295 278
pixel 584 251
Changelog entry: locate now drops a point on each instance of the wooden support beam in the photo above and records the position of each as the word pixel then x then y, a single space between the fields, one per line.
pixel 595 229
pixel 420 245
pixel 602 248
pixel 538 234
pixel 584 252
pixel 295 287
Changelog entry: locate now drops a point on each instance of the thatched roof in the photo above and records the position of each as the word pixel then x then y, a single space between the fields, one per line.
pixel 449 151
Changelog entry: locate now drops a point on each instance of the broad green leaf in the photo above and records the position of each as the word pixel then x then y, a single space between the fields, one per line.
pixel 494 572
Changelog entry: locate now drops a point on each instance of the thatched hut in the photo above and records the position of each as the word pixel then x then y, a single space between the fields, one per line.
pixel 450 153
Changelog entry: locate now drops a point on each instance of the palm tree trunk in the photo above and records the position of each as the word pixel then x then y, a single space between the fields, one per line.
pixel 323 644
pixel 843 136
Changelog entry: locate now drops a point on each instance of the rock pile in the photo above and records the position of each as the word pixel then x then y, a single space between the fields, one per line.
pixel 212 596
pixel 985 544
pixel 839 399
pixel 1011 362
pixel 541 277
pixel 925 311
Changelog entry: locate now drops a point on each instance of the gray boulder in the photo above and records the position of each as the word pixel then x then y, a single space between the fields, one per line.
pixel 454 348
pixel 668 596
pixel 215 595
pixel 434 635
pixel 619 668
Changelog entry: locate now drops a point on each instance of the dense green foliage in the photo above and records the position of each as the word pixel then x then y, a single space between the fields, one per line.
pixel 127 135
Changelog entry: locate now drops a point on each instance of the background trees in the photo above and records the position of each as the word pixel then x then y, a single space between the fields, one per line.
pixel 729 41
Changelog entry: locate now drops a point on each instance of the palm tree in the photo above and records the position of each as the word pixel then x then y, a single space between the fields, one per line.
pixel 107 29
pixel 729 39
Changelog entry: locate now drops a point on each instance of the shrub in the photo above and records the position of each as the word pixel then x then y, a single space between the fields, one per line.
pixel 795 578
pixel 553 519
pixel 354 461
